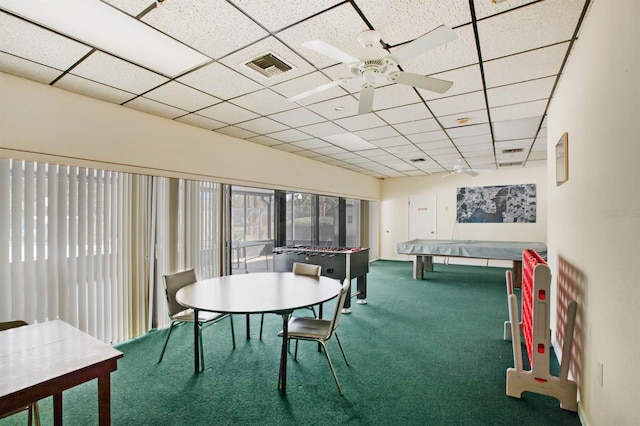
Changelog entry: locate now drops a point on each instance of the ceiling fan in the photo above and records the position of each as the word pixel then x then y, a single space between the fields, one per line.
pixel 461 168
pixel 374 65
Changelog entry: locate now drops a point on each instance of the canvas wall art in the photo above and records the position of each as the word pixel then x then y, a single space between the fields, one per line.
pixel 497 204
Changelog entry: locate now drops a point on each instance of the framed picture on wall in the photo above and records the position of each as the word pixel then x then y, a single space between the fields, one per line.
pixel 562 160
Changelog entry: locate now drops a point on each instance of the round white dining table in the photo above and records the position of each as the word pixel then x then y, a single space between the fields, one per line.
pixel 263 292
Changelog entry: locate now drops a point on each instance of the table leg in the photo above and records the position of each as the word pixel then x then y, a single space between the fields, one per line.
pixel 517 273
pixel 418 270
pixel 248 327
pixel 104 400
pixel 282 374
pixel 57 409
pixel 196 341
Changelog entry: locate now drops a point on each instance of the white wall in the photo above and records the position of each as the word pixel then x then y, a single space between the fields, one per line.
pixel 41 122
pixel 594 218
pixel 394 225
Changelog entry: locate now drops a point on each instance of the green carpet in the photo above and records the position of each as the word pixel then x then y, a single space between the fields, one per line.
pixel 426 352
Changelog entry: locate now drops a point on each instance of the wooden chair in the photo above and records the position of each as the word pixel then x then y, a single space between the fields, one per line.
pixel 32 409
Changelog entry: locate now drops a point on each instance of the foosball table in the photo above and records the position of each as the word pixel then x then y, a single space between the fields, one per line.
pixel 337 262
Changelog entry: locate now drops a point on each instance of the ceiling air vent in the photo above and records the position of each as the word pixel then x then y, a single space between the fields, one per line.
pixel 515 163
pixel 512 150
pixel 269 65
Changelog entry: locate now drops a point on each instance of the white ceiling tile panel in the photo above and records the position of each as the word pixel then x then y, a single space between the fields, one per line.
pixel 228 113
pixel 329 150
pixel 525 66
pixel 132 7
pixel 377 133
pixel 156 108
pixel 201 121
pixel 360 122
pixel 95 90
pixel 181 96
pixel 291 135
pixel 474 140
pixel 419 126
pixel 322 129
pixel 270 44
pixel 407 113
pixel 213 27
pixel 344 106
pixel 525 144
pixel 373 153
pixel 476 149
pixel 277 14
pixel 466 79
pixel 474 130
pixel 402 148
pixel 537 155
pixel 487 8
pixel 262 125
pixel 391 17
pixel 27 69
pixel 311 144
pixel 264 102
pixel 114 72
pixel 389 142
pixel 310 81
pixel 297 117
pixel 456 104
pixel 535 163
pixel 287 147
pixel 539 24
pixel 345 156
pixel 517 111
pixel 458 53
pixel 394 95
pixel 516 129
pixel 437 135
pixel 436 145
pixel 264 140
pixel 220 81
pixel 236 132
pixel 521 92
pixel 473 117
pixel 339 27
pixel 36 44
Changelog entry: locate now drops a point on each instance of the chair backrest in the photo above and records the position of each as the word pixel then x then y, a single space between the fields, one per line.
pixel 339 304
pixel 306 269
pixel 12 324
pixel 173 283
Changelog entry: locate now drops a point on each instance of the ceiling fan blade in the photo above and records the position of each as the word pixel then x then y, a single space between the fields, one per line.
pixel 423 44
pixel 423 82
pixel 366 100
pixel 316 90
pixel 328 50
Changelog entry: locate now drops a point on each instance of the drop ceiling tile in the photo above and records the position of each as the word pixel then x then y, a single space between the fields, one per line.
pixel 521 92
pixel 296 86
pixel 524 144
pixel 345 156
pixel 291 135
pixel 114 72
pixel 360 122
pixel 297 117
pixel 27 69
pixel 220 81
pixel 474 140
pixel 131 7
pixel 478 129
pixel 213 27
pixel 487 8
pixel 287 147
pixel 473 117
pixel 236 132
pixel 181 96
pixel 345 106
pixel 264 140
pixel 394 95
pixel 91 88
pixel 228 113
pixel 401 166
pixel 516 129
pixel 322 129
pixel 201 121
pixel 536 25
pixel 373 153
pixel 311 144
pixel 437 135
pixel 330 150
pixel 455 54
pixel 262 125
pixel 155 108
pixel 403 21
pixel 264 102
pixel 37 44
pixel 339 27
pixel 237 60
pixel 465 79
pixel 476 149
pixel 276 14
pixel 536 155
pixel 457 104
pixel 377 133
pixel 389 142
pixel 436 145
pixel 402 148
pixel 307 154
pixel 419 126
pixel 517 111
pixel 407 113
pixel 535 163
pixel 525 66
